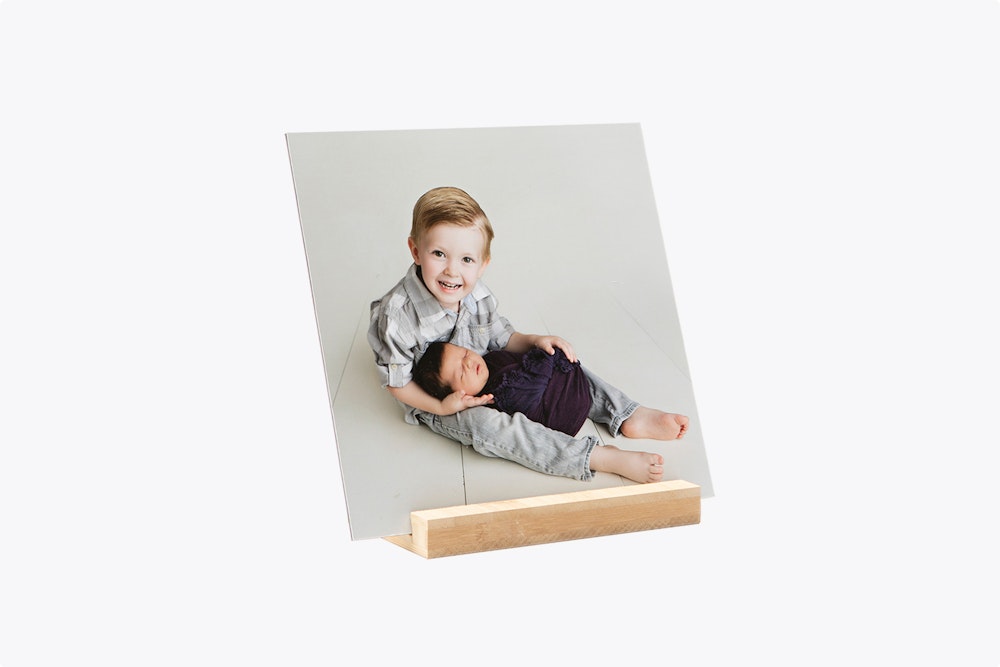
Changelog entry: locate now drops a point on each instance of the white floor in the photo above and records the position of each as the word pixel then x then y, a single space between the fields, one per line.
pixel 391 468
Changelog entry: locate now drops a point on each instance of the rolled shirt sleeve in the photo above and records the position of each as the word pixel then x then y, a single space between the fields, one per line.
pixel 394 342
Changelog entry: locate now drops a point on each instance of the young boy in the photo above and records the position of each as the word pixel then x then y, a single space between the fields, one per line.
pixel 441 299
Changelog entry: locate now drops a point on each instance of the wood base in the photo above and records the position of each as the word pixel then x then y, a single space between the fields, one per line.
pixel 503 524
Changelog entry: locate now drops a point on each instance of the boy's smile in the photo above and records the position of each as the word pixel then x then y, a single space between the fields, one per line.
pixel 451 261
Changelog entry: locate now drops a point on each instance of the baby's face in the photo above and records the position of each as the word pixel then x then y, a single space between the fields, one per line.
pixel 463 369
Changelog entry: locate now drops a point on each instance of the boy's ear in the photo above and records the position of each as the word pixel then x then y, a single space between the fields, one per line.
pixel 412 245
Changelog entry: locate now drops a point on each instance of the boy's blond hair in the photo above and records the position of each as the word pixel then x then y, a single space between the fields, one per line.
pixel 449 205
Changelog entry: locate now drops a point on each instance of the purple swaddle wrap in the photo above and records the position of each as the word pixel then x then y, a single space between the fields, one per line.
pixel 546 388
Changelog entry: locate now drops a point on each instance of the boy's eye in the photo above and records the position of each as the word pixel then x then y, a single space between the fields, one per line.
pixel 468 260
pixel 437 253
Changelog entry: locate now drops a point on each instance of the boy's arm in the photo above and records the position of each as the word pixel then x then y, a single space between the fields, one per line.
pixel 520 342
pixel 412 395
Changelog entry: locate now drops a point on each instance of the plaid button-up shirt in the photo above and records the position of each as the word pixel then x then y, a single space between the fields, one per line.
pixel 407 319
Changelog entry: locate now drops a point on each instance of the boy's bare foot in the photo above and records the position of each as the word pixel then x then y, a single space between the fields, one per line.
pixel 642 467
pixel 654 425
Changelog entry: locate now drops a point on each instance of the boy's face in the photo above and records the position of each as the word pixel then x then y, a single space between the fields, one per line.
pixel 451 261
pixel 463 369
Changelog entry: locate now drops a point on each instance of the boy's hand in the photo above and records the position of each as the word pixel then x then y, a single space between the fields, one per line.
pixel 550 343
pixel 459 401
pixel 521 343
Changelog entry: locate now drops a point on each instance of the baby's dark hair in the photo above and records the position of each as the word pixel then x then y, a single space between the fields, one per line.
pixel 427 372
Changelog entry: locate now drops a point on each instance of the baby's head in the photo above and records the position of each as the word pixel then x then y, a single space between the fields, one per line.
pixel 450 241
pixel 445 368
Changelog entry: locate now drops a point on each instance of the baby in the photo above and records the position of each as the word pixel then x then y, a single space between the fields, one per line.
pixel 546 388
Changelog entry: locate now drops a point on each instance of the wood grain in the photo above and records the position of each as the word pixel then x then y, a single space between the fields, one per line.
pixel 504 524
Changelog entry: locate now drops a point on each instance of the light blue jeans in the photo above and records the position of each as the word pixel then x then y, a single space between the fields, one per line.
pixel 516 438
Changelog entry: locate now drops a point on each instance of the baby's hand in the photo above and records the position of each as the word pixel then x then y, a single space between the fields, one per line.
pixel 550 343
pixel 459 401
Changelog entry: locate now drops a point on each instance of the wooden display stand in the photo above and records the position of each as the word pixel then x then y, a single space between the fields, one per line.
pixel 503 524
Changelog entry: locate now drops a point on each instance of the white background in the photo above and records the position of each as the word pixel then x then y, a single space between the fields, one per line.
pixel 827 178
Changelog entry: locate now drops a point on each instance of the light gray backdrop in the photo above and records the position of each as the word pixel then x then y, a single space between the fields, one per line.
pixel 578 253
